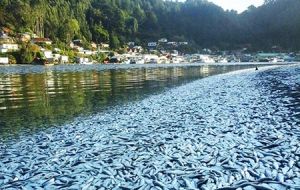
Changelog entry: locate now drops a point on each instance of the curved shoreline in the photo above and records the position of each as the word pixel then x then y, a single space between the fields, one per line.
pixel 27 69
pixel 229 131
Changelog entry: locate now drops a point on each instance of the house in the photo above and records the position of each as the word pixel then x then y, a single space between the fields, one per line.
pixel 25 37
pixel 56 57
pixel 174 53
pixel 150 58
pixel 57 50
pixel 4 60
pixel 138 49
pixel 77 42
pixel 78 48
pixel 86 52
pixel 6 30
pixel 5 39
pixel 82 60
pixel 172 43
pixel 163 40
pixel 103 45
pixel 48 54
pixel 7 44
pixel 135 49
pixel 72 45
pixel 64 59
pixel 131 44
pixel 94 45
pixel 3 34
pixel 266 57
pixel 4 48
pixel 183 43
pixel 44 41
pixel 152 44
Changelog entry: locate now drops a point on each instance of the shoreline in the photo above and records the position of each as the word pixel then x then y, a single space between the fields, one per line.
pixel 26 69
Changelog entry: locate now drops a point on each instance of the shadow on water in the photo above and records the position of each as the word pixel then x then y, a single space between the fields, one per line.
pixel 33 101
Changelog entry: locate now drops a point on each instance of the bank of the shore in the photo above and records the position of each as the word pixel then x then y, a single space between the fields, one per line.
pixel 233 130
pixel 32 69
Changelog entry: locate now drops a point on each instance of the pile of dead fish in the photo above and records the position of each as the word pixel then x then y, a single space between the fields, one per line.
pixel 232 131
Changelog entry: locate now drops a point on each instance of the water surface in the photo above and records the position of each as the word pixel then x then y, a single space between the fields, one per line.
pixel 37 97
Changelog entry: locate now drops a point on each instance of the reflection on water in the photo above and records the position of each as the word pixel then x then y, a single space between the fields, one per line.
pixel 31 101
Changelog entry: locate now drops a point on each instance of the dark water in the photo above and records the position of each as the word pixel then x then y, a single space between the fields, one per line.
pixel 35 97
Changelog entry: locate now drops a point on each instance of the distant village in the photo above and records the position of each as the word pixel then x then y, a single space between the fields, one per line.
pixel 161 51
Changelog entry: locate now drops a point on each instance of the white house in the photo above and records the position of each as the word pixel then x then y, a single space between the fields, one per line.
pixel 8 47
pixel 56 56
pixel 3 50
pixel 131 44
pixel 87 52
pixel 163 40
pixel 64 59
pixel 80 49
pixel 72 45
pixel 48 54
pixel 57 50
pixel 83 60
pixel 150 58
pixel 25 37
pixel 103 45
pixel 4 60
pixel 152 44
pixel 172 43
pixel 183 43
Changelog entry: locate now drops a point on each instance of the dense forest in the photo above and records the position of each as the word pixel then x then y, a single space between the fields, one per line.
pixel 200 22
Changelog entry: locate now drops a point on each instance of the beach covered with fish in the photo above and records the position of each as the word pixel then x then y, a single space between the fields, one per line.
pixel 238 130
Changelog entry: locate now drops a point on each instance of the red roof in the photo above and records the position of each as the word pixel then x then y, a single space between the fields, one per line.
pixel 42 40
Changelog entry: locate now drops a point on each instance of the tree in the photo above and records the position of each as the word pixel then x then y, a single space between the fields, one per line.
pixel 68 31
pixel 114 42
pixel 100 34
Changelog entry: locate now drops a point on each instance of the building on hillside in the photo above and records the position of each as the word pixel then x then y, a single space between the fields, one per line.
pixel 83 60
pixel 24 37
pixel 57 50
pixel 163 40
pixel 71 45
pixel 5 30
pixel 7 44
pixel 266 57
pixel 152 45
pixel 94 45
pixel 183 43
pixel 103 46
pixel 135 49
pixel 87 52
pixel 41 41
pixel 48 55
pixel 172 43
pixel 2 34
pixel 4 60
pixel 77 42
pixel 64 59
pixel 131 44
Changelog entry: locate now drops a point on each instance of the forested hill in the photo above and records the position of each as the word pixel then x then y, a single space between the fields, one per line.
pixel 203 24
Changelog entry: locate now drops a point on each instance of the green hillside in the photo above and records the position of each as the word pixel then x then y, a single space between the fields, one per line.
pixel 201 23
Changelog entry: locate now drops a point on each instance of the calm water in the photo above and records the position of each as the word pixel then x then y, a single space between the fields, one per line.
pixel 35 97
